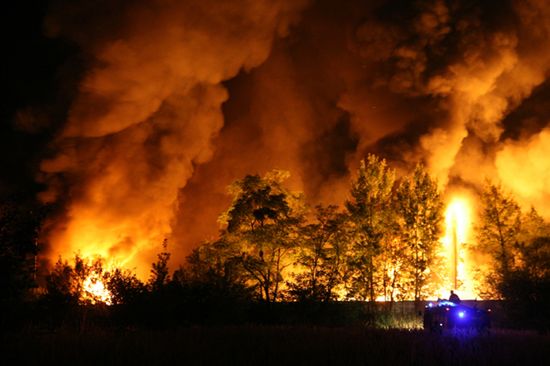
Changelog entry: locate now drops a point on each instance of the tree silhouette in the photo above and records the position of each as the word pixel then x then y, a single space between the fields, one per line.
pixel 62 287
pixel 125 287
pixel 519 245
pixel 160 275
pixel 215 270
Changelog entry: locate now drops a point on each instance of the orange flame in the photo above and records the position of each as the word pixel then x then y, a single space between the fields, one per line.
pixel 458 228
pixel 94 290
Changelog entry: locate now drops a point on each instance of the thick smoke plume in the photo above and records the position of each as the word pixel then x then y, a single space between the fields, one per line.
pixel 452 84
pixel 147 109
pixel 179 99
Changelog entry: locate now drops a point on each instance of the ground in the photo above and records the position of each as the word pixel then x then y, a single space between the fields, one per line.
pixel 273 345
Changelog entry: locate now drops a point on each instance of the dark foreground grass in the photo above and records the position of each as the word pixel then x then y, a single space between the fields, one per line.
pixel 263 345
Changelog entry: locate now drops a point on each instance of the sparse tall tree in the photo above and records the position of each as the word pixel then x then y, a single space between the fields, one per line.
pixel 263 219
pixel 370 215
pixel 421 210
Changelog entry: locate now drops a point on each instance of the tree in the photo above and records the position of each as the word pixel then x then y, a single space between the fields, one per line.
pixel 61 285
pixel 526 284
pixel 370 215
pixel 421 214
pixel 263 221
pixel 160 272
pixel 526 287
pixel 321 256
pixel 216 261
pixel 217 269
pixel 392 261
pixel 20 221
pixel 532 226
pixel 124 286
pixel 499 228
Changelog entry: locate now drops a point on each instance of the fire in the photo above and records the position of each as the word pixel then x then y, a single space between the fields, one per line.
pixel 121 242
pixel 94 290
pixel 458 227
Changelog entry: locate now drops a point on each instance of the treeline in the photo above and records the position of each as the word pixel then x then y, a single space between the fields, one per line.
pixel 382 244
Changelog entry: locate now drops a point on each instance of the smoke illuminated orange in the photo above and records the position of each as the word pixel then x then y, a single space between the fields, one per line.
pixel 181 100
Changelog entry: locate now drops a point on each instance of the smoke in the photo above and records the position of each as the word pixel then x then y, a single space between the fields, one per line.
pixel 474 64
pixel 179 99
pixel 499 67
pixel 439 82
pixel 525 170
pixel 147 109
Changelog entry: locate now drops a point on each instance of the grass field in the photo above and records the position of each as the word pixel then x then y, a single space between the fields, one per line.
pixel 270 345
